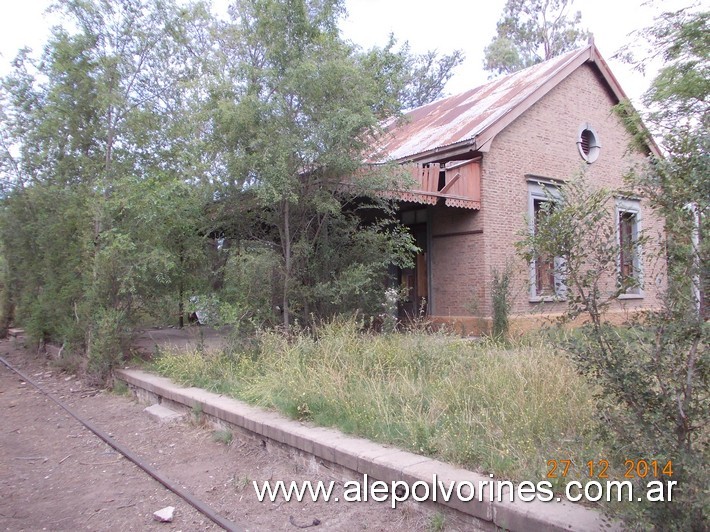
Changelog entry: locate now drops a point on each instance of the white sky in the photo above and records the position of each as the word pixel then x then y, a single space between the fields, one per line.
pixel 444 25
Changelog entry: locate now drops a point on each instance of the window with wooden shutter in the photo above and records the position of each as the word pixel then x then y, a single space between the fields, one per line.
pixel 544 266
pixel 547 273
pixel 627 221
pixel 629 264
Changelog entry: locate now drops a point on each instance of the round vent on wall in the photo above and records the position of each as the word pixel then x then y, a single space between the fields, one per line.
pixel 588 143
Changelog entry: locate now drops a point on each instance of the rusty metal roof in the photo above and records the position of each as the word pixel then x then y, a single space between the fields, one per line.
pixel 475 116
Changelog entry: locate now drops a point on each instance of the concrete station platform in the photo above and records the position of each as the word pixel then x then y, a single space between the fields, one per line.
pixel 352 458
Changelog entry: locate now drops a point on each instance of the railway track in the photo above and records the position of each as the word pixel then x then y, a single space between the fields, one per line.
pixel 188 497
pixel 56 474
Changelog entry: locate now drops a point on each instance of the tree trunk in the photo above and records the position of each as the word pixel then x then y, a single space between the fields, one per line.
pixel 286 245
pixel 109 141
pixel 181 293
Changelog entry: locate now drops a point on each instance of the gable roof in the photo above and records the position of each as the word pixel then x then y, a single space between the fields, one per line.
pixel 469 121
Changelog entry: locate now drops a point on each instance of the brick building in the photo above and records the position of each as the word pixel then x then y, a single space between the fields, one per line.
pixel 479 161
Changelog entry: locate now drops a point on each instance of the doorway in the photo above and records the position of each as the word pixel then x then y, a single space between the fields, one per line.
pixel 414 281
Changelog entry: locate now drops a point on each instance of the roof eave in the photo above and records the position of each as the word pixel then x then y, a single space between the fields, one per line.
pixel 487 135
pixel 483 140
pixel 615 87
pixel 435 154
pixel 588 54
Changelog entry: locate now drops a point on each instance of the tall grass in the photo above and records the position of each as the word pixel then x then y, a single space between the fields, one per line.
pixel 501 410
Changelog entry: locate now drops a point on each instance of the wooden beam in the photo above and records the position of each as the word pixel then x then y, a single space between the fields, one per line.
pixel 450 183
pixel 460 233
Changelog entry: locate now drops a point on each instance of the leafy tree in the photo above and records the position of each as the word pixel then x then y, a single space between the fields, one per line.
pixel 100 126
pixel 679 92
pixel 415 79
pixel 294 110
pixel 150 140
pixel 657 370
pixel 579 230
pixel 678 187
pixel 678 116
pixel 429 75
pixel 532 31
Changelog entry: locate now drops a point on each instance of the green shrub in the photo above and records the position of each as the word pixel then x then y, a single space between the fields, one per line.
pixel 500 294
pixel 653 374
pixel 105 343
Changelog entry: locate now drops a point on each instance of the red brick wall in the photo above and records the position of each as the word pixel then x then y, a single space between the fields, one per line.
pixel 456 262
pixel 541 142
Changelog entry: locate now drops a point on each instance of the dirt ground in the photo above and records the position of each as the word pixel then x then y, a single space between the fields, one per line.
pixel 57 475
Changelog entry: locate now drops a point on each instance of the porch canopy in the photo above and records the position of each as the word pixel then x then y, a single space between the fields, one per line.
pixel 457 183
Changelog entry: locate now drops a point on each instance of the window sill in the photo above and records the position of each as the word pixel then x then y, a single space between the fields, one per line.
pixel 547 299
pixel 630 296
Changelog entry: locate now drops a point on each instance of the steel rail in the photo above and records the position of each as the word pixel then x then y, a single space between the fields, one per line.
pixel 196 503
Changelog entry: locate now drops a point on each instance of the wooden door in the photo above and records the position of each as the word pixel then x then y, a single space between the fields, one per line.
pixel 414 281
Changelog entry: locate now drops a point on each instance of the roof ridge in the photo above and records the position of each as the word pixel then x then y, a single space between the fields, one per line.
pixel 510 75
pixel 469 121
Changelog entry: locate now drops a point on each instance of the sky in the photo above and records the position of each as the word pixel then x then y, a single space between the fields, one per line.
pixel 443 25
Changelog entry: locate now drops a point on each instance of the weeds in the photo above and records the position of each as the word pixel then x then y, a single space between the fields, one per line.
pixel 198 416
pixel 241 483
pixel 120 388
pixel 437 522
pixel 500 293
pixel 223 436
pixel 499 410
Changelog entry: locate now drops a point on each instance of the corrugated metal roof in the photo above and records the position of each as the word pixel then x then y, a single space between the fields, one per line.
pixel 464 116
